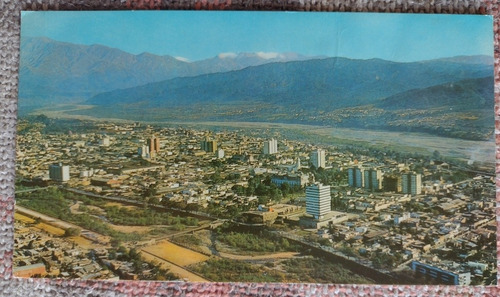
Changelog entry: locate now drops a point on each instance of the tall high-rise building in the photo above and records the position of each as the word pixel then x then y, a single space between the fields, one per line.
pixel 270 147
pixel 209 146
pixel 58 172
pixel 355 177
pixel 411 183
pixel 373 179
pixel 318 158
pixel 318 200
pixel 154 145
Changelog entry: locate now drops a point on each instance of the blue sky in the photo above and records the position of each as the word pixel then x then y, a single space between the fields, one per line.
pixel 197 35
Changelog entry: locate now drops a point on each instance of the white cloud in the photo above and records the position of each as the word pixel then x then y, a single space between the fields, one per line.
pixel 183 59
pixel 268 55
pixel 227 55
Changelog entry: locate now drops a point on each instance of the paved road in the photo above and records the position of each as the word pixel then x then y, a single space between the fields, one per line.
pixel 32 190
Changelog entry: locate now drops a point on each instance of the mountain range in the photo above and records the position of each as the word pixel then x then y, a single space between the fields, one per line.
pixel 450 96
pixel 55 72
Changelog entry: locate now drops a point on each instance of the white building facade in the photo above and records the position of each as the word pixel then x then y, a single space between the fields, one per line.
pixel 318 158
pixel 318 200
pixel 270 147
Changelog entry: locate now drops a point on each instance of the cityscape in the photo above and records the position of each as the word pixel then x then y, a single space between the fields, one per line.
pixel 253 167
pixel 390 214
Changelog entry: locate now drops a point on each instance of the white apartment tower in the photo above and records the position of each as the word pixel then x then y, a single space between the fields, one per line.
pixel 318 200
pixel 318 158
pixel 270 147
pixel 220 154
pixel 143 151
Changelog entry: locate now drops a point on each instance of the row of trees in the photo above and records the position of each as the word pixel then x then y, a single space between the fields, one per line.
pixel 145 217
pixel 254 243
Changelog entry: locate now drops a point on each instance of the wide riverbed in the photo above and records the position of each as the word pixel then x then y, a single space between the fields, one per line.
pixel 473 151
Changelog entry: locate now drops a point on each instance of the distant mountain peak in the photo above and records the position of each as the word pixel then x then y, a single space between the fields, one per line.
pixel 147 54
pixel 182 59
pixel 227 55
pixel 270 55
pixel 274 56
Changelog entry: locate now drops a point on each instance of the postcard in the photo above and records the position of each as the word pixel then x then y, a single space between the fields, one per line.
pixel 345 148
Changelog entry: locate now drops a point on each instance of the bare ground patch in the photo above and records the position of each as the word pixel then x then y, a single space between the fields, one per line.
pixel 131 229
pixel 175 254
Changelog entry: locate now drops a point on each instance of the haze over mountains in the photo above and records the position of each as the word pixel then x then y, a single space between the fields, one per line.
pixel 451 96
pixel 52 71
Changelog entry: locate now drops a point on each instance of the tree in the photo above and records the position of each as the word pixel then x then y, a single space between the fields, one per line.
pixel 112 254
pixel 215 178
pixel 263 200
pixel 154 200
pixel 216 163
pixel 72 232
pixel 37 221
pixel 436 155
pixel 261 190
pixel 148 193
pixel 238 189
pixel 275 193
pixel 285 189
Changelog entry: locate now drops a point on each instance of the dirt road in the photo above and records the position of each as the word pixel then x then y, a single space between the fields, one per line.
pixel 61 224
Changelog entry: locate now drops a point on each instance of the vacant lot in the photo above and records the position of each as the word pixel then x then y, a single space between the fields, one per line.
pixel 42 226
pixel 130 229
pixel 121 205
pixel 177 270
pixel 22 218
pixel 84 243
pixel 50 229
pixel 175 254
